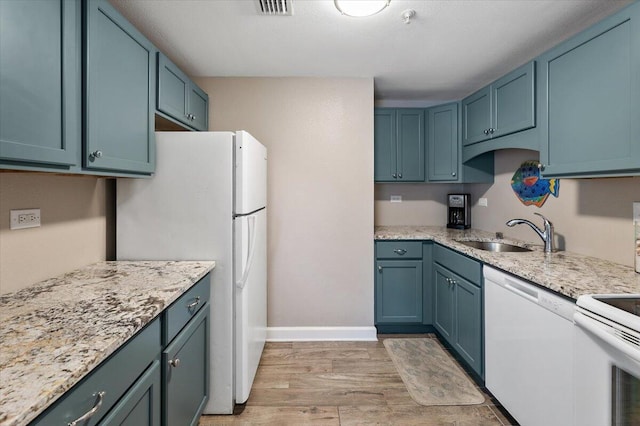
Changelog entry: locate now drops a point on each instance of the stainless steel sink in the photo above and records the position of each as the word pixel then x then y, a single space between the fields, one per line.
pixel 494 246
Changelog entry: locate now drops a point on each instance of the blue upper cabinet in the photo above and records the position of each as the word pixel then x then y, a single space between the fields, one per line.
pixel 476 110
pixel 384 142
pixel 589 100
pixel 399 145
pixel 179 97
pixel 442 143
pixel 40 82
pixel 120 94
pixel 504 107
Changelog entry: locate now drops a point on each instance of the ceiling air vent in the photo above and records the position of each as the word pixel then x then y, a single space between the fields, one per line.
pixel 275 7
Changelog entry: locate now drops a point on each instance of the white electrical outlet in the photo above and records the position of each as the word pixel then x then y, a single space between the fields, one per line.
pixel 396 198
pixel 483 202
pixel 29 218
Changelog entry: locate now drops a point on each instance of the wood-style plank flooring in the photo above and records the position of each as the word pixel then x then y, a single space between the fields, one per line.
pixel 343 383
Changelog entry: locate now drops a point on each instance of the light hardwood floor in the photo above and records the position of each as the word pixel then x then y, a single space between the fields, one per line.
pixel 343 383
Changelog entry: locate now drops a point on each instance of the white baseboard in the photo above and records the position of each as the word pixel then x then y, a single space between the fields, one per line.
pixel 308 334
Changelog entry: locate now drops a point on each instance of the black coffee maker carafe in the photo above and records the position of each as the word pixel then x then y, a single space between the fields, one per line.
pixel 459 211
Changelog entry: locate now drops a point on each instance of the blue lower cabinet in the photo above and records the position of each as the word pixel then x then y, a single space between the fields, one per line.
pixel 141 405
pixel 444 309
pixel 399 292
pixel 112 387
pixel 457 305
pixel 185 363
pixel 468 322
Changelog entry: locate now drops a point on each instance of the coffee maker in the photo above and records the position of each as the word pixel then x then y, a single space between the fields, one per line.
pixel 459 211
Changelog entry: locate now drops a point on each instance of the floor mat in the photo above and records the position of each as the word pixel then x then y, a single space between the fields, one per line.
pixel 432 377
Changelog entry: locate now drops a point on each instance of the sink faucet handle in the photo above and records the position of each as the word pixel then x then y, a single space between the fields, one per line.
pixel 547 222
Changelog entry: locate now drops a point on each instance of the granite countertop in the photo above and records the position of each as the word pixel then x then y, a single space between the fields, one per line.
pixel 55 332
pixel 569 274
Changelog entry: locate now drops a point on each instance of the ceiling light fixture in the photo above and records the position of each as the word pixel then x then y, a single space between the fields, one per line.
pixel 360 8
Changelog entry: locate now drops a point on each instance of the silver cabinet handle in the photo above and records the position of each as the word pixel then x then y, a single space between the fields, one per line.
pixel 492 130
pixel 400 251
pixel 192 305
pixel 96 154
pixel 394 175
pixel 86 416
pixel 379 268
pixel 486 131
pixel 400 175
pixel 453 174
pixel 193 117
pixel 174 362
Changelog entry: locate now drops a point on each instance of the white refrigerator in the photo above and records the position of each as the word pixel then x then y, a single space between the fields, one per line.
pixel 208 201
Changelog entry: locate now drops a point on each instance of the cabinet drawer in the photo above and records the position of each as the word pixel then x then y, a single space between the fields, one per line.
pixel 183 309
pixel 113 377
pixel 459 263
pixel 399 249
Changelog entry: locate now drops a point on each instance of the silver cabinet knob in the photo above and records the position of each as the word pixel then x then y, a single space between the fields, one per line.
pixel 492 130
pixel 96 154
pixel 394 176
pixel 486 131
pixel 193 117
pixel 453 174
pixel 174 362
pixel 379 268
pixel 400 175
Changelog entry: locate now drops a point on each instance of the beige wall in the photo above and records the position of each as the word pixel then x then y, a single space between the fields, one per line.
pixel 422 204
pixel 73 231
pixel 319 133
pixel 591 216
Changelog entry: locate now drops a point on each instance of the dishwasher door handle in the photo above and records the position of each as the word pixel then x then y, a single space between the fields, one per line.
pixel 521 290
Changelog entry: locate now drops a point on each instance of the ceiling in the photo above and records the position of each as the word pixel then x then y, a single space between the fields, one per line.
pixel 450 49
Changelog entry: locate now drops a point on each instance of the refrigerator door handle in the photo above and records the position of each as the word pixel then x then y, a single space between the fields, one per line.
pixel 251 224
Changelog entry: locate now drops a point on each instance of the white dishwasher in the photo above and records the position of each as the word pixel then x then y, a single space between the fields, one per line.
pixel 528 350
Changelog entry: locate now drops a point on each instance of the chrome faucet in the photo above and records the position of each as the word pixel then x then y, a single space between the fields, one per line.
pixel 546 235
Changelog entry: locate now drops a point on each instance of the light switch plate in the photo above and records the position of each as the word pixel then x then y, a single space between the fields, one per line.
pixel 483 202
pixel 396 198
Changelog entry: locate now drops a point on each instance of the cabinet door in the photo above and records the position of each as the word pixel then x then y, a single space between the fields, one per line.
pixel 410 145
pixel 140 406
pixel 173 90
pixel 442 142
pixel 384 145
pixel 40 81
pixel 399 292
pixel 468 322
pixel 443 307
pixel 186 372
pixel 120 93
pixel 589 100
pixel 513 106
pixel 198 107
pixel 476 116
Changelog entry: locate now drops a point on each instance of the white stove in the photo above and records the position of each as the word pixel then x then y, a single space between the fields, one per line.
pixel 607 360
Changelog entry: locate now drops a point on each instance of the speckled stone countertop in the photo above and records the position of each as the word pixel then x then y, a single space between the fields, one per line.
pixel 55 332
pixel 569 274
